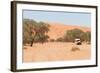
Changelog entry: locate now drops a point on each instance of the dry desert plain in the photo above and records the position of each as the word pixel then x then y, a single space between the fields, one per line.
pixel 57 51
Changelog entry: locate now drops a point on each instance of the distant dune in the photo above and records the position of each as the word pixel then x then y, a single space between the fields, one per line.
pixel 57 30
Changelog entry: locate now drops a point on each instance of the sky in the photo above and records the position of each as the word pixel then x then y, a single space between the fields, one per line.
pixel 67 18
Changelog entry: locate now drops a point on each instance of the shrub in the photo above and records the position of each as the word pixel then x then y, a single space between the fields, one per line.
pixel 75 33
pixel 52 40
pixel 74 48
pixel 60 39
pixel 88 36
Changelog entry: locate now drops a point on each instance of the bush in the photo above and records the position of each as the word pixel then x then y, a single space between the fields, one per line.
pixel 52 40
pixel 71 35
pixel 88 36
pixel 60 39
pixel 74 48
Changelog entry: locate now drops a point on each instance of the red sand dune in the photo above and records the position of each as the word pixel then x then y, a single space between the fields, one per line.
pixel 58 30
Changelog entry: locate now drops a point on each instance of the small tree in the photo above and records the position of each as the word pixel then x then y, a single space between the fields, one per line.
pixel 34 31
pixel 27 30
pixel 88 36
pixel 72 34
pixel 40 38
pixel 40 33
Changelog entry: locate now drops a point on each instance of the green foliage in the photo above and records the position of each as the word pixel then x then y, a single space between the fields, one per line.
pixel 71 35
pixel 88 36
pixel 34 31
pixel 40 32
pixel 41 38
pixel 27 30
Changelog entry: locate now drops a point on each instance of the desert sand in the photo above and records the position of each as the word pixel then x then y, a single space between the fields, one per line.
pixel 58 30
pixel 57 51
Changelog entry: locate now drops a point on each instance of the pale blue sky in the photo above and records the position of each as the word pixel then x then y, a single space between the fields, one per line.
pixel 67 18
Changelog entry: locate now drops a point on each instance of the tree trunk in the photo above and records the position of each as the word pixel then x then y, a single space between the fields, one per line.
pixel 32 43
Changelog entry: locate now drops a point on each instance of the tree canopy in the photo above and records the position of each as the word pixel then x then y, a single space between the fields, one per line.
pixel 71 35
pixel 34 31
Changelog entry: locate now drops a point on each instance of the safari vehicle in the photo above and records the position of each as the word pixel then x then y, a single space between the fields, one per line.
pixel 78 41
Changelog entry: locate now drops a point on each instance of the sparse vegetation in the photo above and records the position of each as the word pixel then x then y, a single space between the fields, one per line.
pixel 53 46
pixel 27 30
pixel 34 31
pixel 88 36
pixel 75 48
pixel 75 33
pixel 71 35
pixel 60 39
pixel 52 40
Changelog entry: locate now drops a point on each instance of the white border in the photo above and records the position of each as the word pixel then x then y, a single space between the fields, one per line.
pixel 21 65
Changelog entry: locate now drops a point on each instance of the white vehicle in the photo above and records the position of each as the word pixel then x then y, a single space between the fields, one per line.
pixel 78 41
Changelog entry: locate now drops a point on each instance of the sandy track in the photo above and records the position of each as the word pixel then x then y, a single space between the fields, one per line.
pixel 55 51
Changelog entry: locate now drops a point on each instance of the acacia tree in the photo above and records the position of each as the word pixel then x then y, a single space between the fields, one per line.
pixel 34 31
pixel 28 24
pixel 40 32
pixel 75 33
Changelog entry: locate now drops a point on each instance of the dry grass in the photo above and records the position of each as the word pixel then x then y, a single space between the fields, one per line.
pixel 75 48
pixel 56 51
